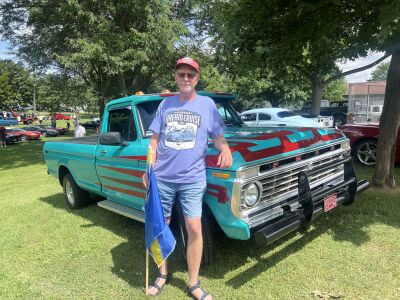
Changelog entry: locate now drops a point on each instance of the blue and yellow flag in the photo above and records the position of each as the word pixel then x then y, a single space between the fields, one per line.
pixel 159 239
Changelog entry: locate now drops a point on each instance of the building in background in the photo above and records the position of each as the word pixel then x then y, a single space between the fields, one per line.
pixel 365 100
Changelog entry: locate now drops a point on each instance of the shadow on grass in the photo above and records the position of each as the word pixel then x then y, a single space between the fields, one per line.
pixel 345 224
pixel 128 257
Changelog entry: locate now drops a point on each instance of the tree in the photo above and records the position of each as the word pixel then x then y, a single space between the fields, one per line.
pixel 56 92
pixel 380 73
pixel 335 90
pixel 309 36
pixel 115 46
pixel 388 38
pixel 15 84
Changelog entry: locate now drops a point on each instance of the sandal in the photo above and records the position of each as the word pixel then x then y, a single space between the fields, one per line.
pixel 195 287
pixel 156 286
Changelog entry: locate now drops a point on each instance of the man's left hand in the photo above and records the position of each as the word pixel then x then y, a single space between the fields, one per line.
pixel 225 158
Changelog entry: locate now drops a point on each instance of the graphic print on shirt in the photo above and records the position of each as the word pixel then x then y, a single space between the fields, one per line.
pixel 181 129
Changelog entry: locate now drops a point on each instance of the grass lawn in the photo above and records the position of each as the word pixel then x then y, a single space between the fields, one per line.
pixel 50 252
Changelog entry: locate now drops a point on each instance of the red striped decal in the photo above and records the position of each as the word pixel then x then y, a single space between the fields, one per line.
pixel 138 185
pixel 124 191
pixel 125 171
pixel 140 157
pixel 286 146
pixel 221 195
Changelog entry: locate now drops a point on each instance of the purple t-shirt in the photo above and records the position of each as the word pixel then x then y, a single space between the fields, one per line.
pixel 184 128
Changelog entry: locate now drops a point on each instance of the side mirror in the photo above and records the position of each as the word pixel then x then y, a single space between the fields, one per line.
pixel 112 139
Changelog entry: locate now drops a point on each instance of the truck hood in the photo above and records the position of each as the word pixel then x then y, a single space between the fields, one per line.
pixel 250 145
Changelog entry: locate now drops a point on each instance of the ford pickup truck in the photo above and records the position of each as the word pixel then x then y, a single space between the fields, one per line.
pixel 281 179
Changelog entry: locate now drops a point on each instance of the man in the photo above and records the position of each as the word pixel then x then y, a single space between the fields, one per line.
pixel 79 131
pixel 3 134
pixel 180 137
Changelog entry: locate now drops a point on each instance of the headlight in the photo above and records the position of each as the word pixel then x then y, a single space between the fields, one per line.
pixel 252 193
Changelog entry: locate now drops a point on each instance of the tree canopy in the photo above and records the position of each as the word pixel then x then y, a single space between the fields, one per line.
pixel 380 73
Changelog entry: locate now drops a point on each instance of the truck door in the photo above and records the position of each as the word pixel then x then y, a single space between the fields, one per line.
pixel 117 166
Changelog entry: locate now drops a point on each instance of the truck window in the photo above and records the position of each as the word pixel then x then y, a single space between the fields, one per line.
pixel 121 120
pixel 147 112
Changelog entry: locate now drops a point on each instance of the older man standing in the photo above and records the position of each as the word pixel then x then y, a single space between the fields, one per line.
pixel 181 129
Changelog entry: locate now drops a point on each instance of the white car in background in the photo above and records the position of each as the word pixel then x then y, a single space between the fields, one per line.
pixel 278 117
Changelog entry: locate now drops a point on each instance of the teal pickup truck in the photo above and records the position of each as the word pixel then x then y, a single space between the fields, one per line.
pixel 280 181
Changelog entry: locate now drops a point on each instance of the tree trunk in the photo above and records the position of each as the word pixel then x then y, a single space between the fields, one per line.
pixel 388 127
pixel 122 84
pixel 316 96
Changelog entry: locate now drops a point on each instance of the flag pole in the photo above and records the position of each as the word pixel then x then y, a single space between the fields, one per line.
pixel 147 270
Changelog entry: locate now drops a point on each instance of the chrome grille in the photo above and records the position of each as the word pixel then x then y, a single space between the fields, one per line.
pixel 281 183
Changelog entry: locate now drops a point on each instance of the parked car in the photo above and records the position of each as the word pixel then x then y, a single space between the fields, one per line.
pixel 364 141
pixel 61 130
pixel 58 116
pixel 7 121
pixel 91 124
pixel 336 109
pixel 12 138
pixel 44 131
pixel 25 135
pixel 27 120
pixel 276 117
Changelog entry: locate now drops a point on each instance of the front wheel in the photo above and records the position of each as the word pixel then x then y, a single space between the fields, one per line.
pixel 24 138
pixel 366 152
pixel 74 195
pixel 44 134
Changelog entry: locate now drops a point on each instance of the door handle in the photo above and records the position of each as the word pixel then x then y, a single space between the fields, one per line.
pixel 103 151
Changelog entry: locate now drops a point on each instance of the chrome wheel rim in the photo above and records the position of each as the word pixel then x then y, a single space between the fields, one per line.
pixel 366 154
pixel 69 192
pixel 23 138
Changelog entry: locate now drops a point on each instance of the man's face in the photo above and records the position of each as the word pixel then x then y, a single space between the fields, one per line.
pixel 186 78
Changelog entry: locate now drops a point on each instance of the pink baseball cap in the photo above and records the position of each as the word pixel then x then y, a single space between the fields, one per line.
pixel 189 62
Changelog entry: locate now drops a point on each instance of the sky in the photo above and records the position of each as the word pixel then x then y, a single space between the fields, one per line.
pixel 357 77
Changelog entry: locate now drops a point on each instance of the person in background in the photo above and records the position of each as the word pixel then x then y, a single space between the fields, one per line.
pixel 79 131
pixel 68 125
pixel 3 134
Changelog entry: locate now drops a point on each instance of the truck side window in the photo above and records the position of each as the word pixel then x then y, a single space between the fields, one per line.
pixel 121 120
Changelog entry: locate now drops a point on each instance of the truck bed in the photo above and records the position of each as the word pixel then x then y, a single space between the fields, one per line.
pixel 87 140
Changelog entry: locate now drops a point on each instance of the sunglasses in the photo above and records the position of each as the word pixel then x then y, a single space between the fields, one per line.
pixel 188 75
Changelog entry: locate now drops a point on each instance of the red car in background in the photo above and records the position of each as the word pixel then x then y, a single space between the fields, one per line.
pixel 58 116
pixel 364 141
pixel 24 135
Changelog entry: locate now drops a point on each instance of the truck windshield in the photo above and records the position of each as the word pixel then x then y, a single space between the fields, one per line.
pixel 147 112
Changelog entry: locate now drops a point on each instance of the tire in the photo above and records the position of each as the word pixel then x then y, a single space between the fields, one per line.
pixel 208 224
pixel 23 138
pixel 365 151
pixel 338 121
pixel 29 122
pixel 44 134
pixel 74 195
